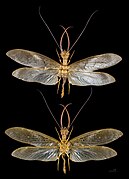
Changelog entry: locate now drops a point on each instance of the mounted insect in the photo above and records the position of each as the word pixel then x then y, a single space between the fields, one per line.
pixel 82 148
pixel 44 70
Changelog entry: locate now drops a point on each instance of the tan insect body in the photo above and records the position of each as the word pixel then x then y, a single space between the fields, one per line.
pixel 82 148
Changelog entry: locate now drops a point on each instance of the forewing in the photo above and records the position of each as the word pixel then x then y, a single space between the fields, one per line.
pixel 39 75
pixel 32 59
pixel 82 78
pixel 95 62
pixel 36 153
pixel 96 137
pixel 84 154
pixel 31 137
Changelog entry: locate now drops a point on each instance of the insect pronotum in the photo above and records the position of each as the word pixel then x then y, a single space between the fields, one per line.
pixel 44 70
pixel 82 148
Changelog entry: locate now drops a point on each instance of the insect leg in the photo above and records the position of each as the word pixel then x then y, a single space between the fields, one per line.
pixel 59 56
pixel 58 133
pixel 58 163
pixel 70 57
pixel 58 84
pixel 64 164
pixel 62 92
pixel 68 88
pixel 69 134
pixel 68 162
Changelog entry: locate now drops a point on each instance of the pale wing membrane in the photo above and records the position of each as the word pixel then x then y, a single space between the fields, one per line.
pixel 91 153
pixel 36 153
pixel 31 137
pixel 89 78
pixel 32 59
pixel 97 137
pixel 47 76
pixel 96 62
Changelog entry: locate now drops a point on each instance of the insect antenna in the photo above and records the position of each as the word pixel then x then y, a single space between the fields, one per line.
pixel 48 28
pixel 65 31
pixel 68 126
pixel 81 107
pixel 65 109
pixel 48 107
pixel 83 29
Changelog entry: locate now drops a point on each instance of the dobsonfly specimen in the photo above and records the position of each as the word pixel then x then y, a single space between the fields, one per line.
pixel 82 148
pixel 47 71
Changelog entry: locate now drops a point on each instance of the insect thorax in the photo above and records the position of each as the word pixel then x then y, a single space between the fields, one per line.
pixel 63 71
pixel 64 147
pixel 65 56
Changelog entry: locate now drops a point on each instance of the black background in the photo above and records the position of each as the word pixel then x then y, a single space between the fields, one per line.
pixel 23 106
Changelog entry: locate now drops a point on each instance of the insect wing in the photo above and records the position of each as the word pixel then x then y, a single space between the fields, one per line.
pixel 47 77
pixel 95 62
pixel 96 137
pixel 81 72
pixel 37 153
pixel 84 147
pixel 83 78
pixel 31 137
pixel 83 154
pixel 32 59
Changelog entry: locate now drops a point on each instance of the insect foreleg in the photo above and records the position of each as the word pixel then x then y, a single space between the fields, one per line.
pixel 58 133
pixel 69 134
pixel 70 57
pixel 59 56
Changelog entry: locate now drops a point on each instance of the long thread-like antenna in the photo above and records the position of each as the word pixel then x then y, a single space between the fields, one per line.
pixel 65 109
pixel 83 30
pixel 48 28
pixel 81 107
pixel 65 31
pixel 48 107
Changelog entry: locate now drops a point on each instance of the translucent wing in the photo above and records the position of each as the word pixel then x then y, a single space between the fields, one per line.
pixel 31 137
pixel 32 59
pixel 47 77
pixel 83 78
pixel 36 153
pixel 91 153
pixel 84 147
pixel 95 62
pixel 96 137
